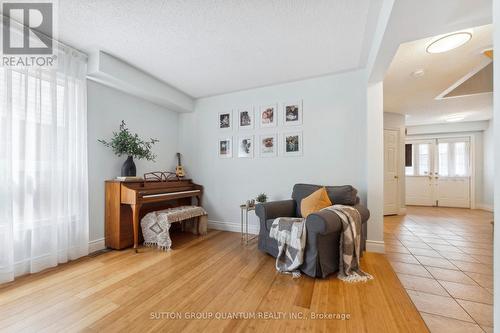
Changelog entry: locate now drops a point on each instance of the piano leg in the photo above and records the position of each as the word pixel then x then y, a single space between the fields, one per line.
pixel 135 221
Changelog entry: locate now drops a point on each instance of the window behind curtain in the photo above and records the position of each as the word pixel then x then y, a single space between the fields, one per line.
pixel 410 160
pixel 424 159
pixel 450 158
pixel 461 168
pixel 454 158
pixel 43 166
pixel 35 122
pixel 443 159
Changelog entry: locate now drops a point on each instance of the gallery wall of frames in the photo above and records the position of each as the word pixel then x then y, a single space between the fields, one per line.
pixel 267 130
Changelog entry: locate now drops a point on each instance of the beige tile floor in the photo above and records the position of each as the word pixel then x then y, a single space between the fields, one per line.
pixel 444 259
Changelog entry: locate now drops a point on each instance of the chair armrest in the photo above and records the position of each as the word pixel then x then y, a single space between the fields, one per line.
pixel 274 209
pixel 363 211
pixel 325 221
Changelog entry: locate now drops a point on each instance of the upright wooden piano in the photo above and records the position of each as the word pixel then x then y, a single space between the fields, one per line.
pixel 128 202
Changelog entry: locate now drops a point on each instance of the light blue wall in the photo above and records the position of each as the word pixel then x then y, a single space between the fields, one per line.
pixel 334 133
pixel 106 109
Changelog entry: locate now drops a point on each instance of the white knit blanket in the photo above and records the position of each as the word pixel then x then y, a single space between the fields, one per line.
pixel 155 225
pixel 290 233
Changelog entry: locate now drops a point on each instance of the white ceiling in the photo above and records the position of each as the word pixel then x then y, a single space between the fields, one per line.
pixel 207 47
pixel 415 96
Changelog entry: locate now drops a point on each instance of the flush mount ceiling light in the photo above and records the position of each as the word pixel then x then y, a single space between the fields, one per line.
pixel 418 73
pixel 455 117
pixel 449 42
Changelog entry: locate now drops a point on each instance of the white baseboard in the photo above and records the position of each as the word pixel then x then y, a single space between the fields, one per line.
pixel 485 207
pixel 402 211
pixel 96 245
pixel 375 246
pixel 231 226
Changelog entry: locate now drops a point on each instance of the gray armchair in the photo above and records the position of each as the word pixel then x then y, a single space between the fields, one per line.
pixel 321 256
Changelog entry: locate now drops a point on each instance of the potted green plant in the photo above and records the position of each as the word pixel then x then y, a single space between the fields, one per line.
pixel 125 143
pixel 261 198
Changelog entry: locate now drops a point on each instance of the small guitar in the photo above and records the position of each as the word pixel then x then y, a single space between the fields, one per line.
pixel 179 169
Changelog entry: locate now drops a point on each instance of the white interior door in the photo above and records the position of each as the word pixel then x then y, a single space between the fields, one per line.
pixel 452 178
pixel 419 181
pixel 391 178
pixel 440 173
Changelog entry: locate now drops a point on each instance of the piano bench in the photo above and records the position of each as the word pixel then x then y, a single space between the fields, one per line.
pixel 185 214
pixel 156 225
pixel 197 225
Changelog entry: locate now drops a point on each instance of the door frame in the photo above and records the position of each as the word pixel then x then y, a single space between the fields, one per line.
pixel 472 148
pixel 401 167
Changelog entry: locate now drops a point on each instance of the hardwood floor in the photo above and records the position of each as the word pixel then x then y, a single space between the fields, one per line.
pixel 215 276
pixel 444 258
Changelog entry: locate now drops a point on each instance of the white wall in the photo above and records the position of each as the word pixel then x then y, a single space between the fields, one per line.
pixel 334 133
pixel 374 160
pixel 488 165
pixel 460 129
pixel 496 148
pixel 396 121
pixel 106 109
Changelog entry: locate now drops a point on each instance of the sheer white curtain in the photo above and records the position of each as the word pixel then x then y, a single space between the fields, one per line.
pixel 43 166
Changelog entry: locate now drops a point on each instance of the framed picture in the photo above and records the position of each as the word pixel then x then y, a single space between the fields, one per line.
pixel 268 145
pixel 293 145
pixel 225 120
pixel 225 147
pixel 292 113
pixel 268 115
pixel 245 146
pixel 245 118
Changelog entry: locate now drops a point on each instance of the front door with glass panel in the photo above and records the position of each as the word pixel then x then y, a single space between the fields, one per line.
pixel 439 172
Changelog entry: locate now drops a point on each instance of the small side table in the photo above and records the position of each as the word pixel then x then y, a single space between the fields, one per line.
pixel 244 209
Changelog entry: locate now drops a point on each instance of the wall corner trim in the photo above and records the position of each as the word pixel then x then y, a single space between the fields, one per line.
pixel 375 246
pixel 96 245
pixel 488 208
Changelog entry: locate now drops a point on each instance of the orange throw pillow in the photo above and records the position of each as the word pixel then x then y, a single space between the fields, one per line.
pixel 315 202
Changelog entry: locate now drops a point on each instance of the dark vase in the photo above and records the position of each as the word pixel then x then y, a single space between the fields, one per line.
pixel 128 168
